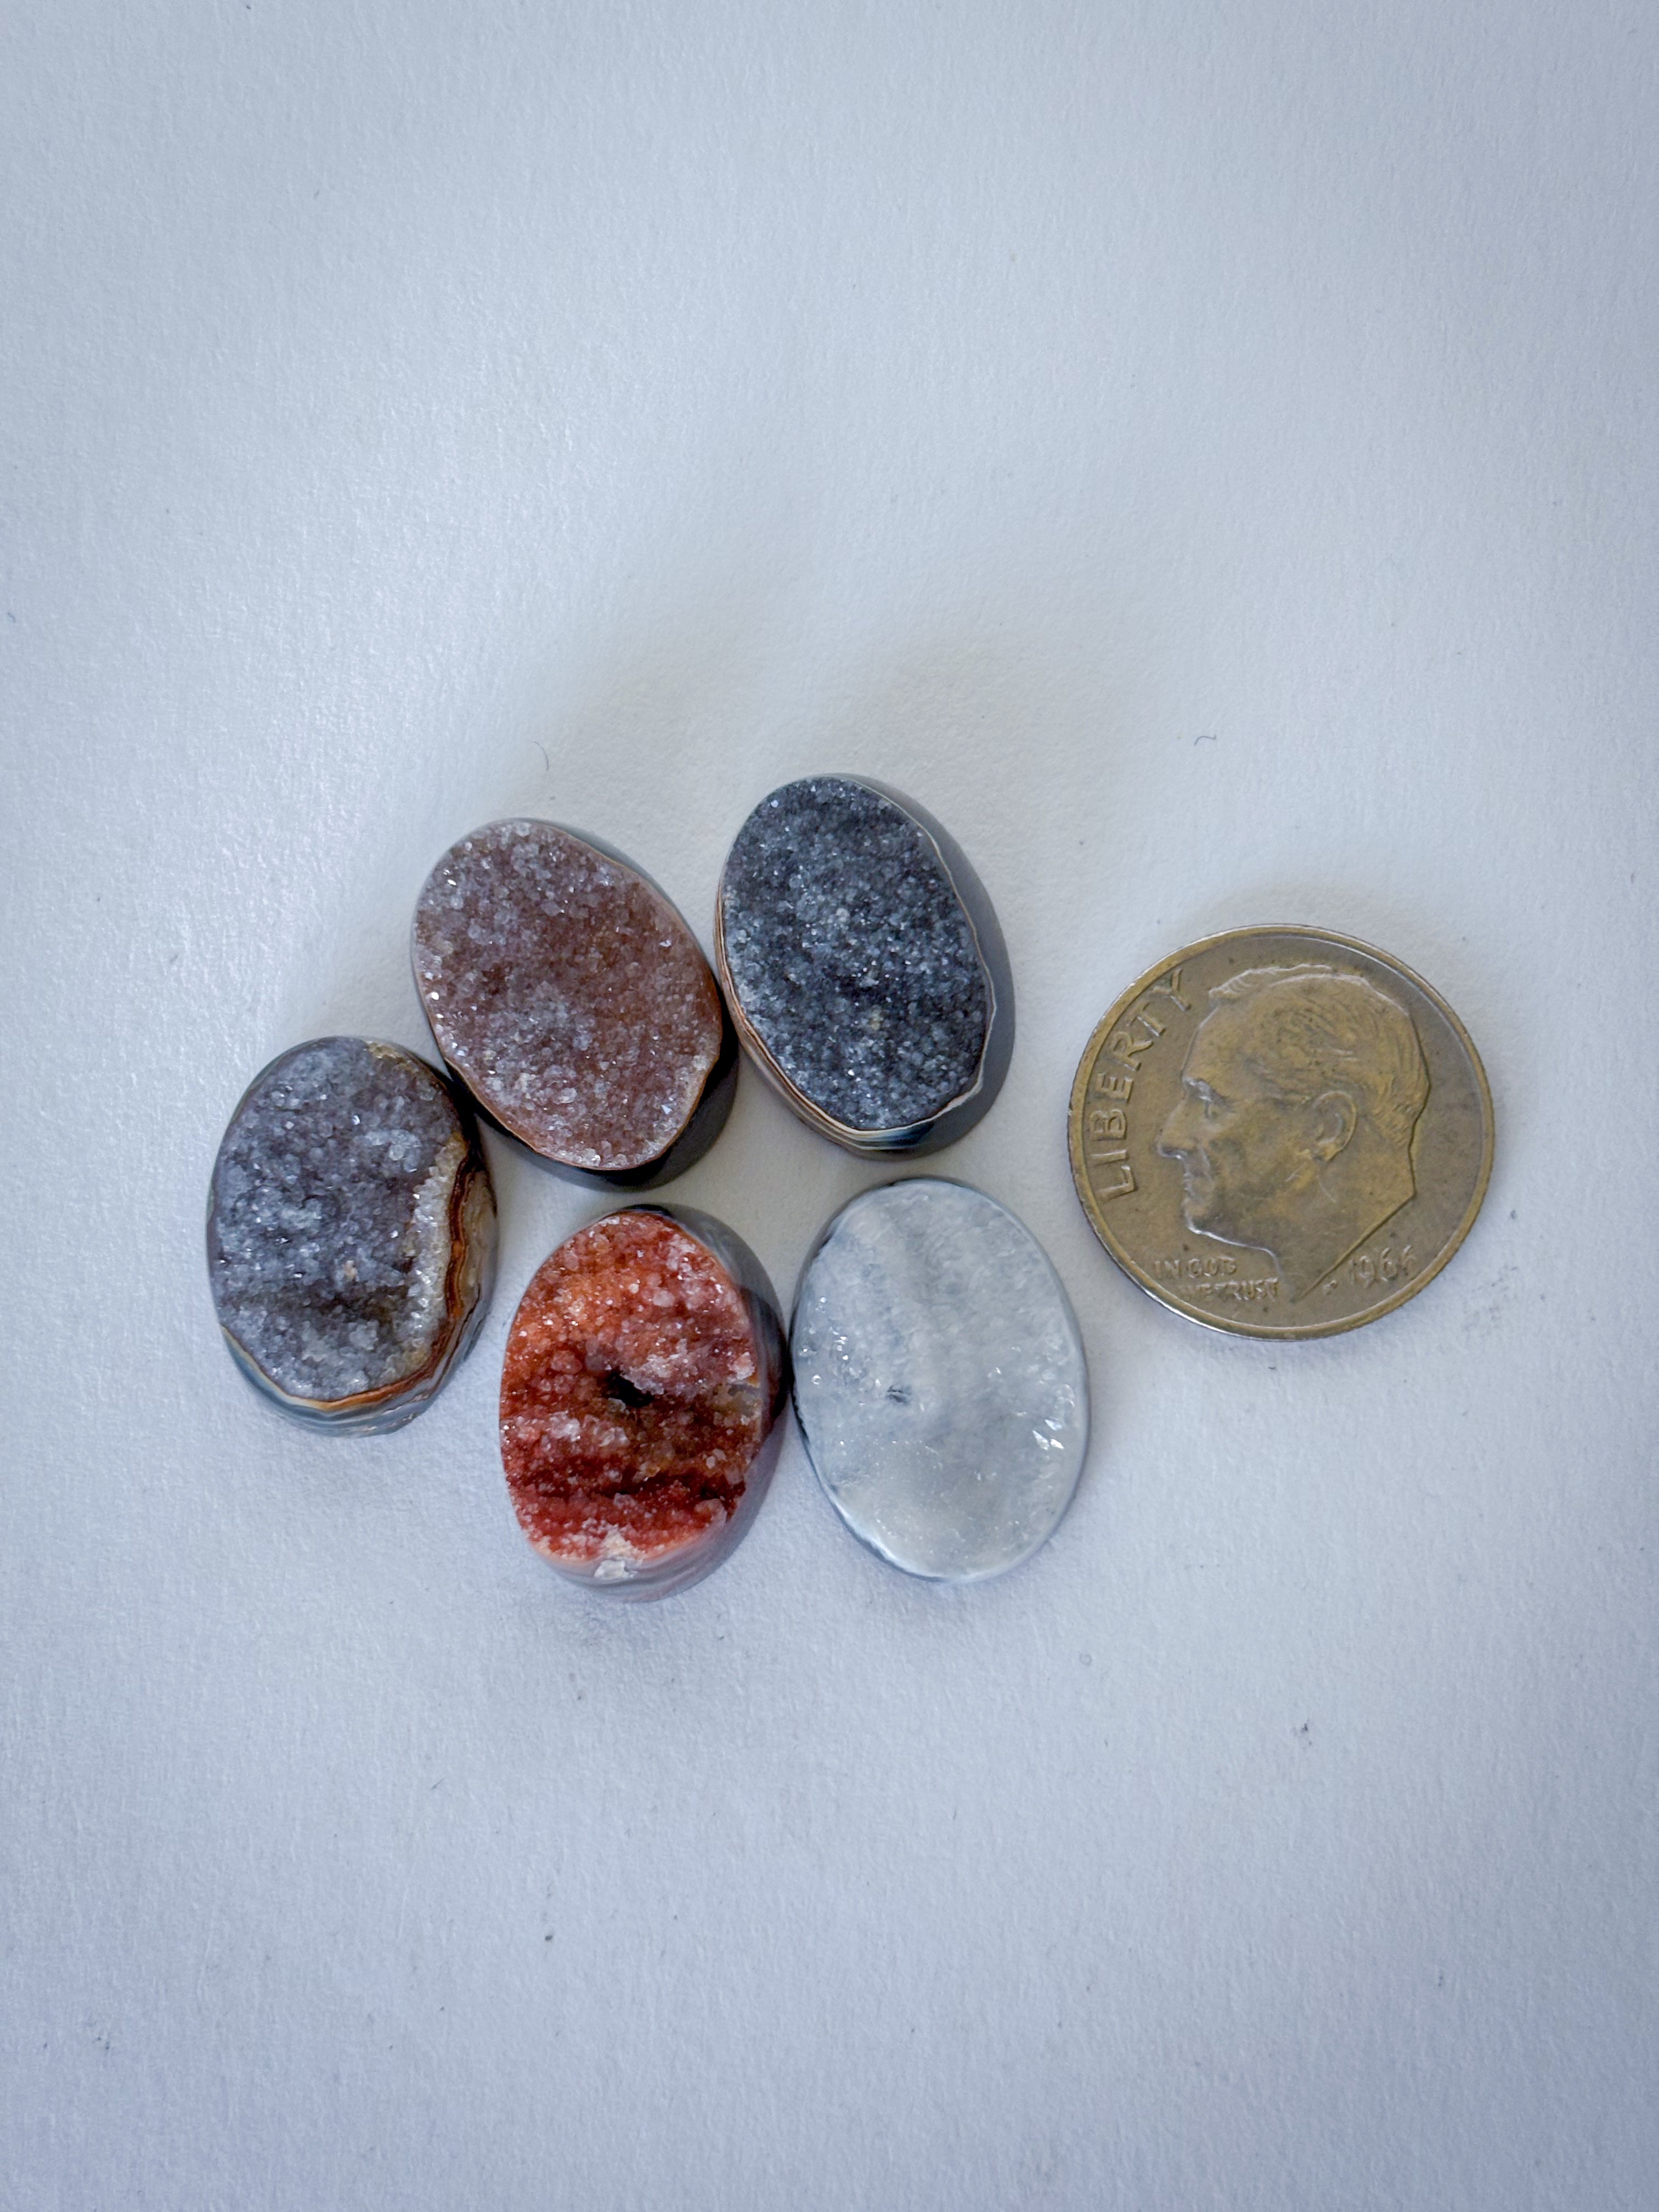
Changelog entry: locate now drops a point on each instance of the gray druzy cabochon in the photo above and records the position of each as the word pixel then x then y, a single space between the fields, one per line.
pixel 940 1379
pixel 350 1233
pixel 864 965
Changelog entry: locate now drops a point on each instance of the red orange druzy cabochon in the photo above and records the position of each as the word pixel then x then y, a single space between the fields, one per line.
pixel 641 1384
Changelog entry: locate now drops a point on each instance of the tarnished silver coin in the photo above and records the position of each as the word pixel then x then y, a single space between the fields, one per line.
pixel 1281 1132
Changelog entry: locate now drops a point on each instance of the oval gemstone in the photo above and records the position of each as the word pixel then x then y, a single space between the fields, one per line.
pixel 645 1372
pixel 866 970
pixel 572 1000
pixel 940 1379
pixel 351 1233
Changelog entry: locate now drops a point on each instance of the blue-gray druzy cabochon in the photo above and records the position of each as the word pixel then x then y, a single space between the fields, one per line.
pixel 851 956
pixel 940 1379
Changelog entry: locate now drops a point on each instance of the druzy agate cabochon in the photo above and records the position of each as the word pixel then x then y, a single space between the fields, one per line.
pixel 644 1376
pixel 865 969
pixel 351 1233
pixel 940 1379
pixel 568 996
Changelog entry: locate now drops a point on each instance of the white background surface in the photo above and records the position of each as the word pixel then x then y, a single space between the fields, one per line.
pixel 1204 454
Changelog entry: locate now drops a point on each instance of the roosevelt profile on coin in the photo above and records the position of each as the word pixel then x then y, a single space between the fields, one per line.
pixel 1299 1096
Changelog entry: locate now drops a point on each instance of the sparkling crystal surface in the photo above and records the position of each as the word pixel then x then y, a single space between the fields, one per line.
pixel 852 954
pixel 940 1379
pixel 566 994
pixel 639 1390
pixel 350 1227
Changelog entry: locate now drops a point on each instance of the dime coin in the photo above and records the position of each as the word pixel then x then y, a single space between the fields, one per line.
pixel 1281 1132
